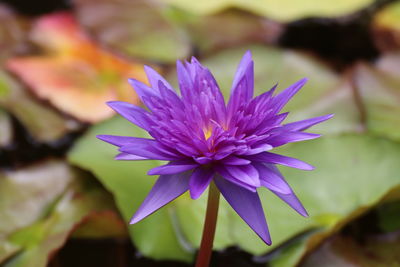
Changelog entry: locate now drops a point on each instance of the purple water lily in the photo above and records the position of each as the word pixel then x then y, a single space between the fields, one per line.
pixel 205 140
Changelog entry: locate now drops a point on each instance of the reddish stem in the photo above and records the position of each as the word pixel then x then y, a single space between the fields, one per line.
pixel 210 223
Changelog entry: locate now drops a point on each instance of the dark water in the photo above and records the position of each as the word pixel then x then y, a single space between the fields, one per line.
pixel 120 253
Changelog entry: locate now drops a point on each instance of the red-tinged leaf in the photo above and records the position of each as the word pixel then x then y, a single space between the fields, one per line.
pixel 75 74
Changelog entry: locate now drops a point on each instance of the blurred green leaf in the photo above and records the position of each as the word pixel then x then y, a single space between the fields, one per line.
pixel 375 251
pixel 139 29
pixel 40 206
pixel 350 178
pixel 280 10
pixel 231 28
pixel 128 181
pixel 25 195
pixel 44 124
pixel 380 96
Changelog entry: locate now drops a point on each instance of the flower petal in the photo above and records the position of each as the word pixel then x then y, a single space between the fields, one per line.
pixel 122 140
pixel 268 157
pixel 305 124
pixel 132 113
pixel 280 100
pixel 126 156
pixel 172 167
pixel 291 198
pixel 166 189
pixel 247 204
pixel 142 90
pixel 290 137
pixel 246 173
pixel 232 160
pixel 245 70
pixel 151 150
pixel 200 179
pixel 185 81
pixel 271 180
pixel 154 78
pixel 222 170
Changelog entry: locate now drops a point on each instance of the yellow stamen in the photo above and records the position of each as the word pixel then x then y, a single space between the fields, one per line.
pixel 207 133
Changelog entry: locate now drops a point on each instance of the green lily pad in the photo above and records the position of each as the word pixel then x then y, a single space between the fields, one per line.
pixel 350 178
pixel 40 206
pixel 280 10
pixel 231 28
pixel 44 124
pixel 139 29
pixel 380 94
pixel 25 195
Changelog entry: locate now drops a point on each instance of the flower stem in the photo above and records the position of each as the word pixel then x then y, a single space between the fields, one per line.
pixel 210 223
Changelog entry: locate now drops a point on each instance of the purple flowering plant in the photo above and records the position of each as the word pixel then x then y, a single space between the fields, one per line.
pixel 207 142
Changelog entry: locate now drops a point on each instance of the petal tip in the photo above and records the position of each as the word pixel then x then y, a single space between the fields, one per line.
pixel 194 195
pixel 134 220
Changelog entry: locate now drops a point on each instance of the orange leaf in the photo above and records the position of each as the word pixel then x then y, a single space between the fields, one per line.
pixel 74 73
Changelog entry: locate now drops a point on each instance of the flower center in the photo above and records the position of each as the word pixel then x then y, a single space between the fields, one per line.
pixel 207 132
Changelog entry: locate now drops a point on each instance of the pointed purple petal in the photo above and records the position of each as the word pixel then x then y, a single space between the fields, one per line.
pixel 150 149
pixel 222 170
pixel 122 140
pixel 166 189
pixel 200 179
pixel 172 167
pixel 271 180
pixel 132 113
pixel 305 124
pixel 258 149
pixel 185 81
pixel 247 204
pixel 142 90
pixel 232 160
pixel 246 173
pixel 269 157
pixel 154 78
pixel 290 137
pixel 126 156
pixel 291 198
pixel 245 70
pixel 282 98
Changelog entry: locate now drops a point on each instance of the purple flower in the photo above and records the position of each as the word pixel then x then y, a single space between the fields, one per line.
pixel 204 140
